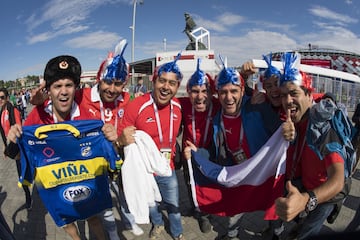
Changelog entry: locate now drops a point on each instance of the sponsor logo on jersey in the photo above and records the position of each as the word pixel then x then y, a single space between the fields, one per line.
pixel 48 152
pixel 92 134
pixel 32 142
pixel 77 193
pixel 149 120
pixel 228 130
pixel 93 111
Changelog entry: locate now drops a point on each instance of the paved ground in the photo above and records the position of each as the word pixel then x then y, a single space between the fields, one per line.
pixel 37 224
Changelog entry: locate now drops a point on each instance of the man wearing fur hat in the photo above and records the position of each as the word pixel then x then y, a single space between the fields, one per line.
pixel 62 77
pixel 106 101
pixel 312 182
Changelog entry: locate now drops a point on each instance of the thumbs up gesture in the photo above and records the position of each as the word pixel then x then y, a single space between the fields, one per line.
pixel 287 208
pixel 288 128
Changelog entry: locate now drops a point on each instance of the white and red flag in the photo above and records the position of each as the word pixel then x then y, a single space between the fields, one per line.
pixel 252 185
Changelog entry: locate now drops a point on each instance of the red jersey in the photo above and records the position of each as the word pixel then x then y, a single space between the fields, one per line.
pixel 42 114
pixel 303 161
pixel 162 124
pixel 202 121
pixel 5 119
pixel 235 135
pixel 109 112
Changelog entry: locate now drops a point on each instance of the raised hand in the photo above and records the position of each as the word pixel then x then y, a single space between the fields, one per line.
pixel 247 69
pixel 288 128
pixel 257 97
pixel 39 95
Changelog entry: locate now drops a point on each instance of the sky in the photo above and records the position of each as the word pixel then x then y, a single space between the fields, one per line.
pixel 33 32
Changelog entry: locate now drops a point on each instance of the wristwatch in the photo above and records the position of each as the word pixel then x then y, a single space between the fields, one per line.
pixel 312 202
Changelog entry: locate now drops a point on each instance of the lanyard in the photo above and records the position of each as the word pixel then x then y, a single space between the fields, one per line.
pixel 102 112
pixel 206 126
pixel 157 117
pixel 224 132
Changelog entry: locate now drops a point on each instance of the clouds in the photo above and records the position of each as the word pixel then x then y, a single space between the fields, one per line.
pixel 239 31
pixel 57 18
pixel 221 23
pixel 327 14
pixel 94 40
pixel 260 36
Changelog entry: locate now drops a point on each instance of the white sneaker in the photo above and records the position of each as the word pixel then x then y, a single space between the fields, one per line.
pixel 136 230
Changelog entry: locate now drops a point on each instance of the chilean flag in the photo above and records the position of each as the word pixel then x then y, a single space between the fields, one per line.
pixel 252 185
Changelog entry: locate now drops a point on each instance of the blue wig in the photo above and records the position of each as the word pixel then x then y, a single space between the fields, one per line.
pixel 291 63
pixel 171 67
pixel 227 75
pixel 271 70
pixel 198 78
pixel 116 67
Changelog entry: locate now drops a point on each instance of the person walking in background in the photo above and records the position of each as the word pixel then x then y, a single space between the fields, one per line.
pixel 140 88
pixel 9 117
pixel 24 104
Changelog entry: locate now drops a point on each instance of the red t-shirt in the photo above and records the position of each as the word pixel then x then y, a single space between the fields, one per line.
pixel 309 166
pixel 111 112
pixel 235 140
pixel 140 113
pixel 42 114
pixel 200 119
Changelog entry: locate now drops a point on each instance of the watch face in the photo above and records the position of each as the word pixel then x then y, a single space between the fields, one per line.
pixel 312 203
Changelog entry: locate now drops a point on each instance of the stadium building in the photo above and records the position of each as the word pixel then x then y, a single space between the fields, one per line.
pixel 333 70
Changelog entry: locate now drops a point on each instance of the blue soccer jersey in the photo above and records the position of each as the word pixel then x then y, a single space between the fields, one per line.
pixel 69 162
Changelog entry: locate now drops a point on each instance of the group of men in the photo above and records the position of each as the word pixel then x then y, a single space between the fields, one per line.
pixel 217 116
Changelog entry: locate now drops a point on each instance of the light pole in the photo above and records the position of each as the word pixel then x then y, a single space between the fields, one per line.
pixel 132 27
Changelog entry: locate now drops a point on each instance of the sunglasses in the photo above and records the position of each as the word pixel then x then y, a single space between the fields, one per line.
pixel 2 97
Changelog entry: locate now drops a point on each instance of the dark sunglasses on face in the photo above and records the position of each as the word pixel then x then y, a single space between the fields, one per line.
pixel 2 97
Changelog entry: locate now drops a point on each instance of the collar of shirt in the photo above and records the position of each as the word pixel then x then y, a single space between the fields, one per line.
pixel 75 110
